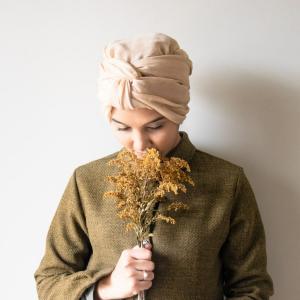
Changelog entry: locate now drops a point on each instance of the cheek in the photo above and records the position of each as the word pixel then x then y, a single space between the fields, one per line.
pixel 122 138
pixel 164 139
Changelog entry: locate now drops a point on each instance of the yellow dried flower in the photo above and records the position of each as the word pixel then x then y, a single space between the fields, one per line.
pixel 141 183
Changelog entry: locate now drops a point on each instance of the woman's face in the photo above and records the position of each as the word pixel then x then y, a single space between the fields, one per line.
pixel 142 128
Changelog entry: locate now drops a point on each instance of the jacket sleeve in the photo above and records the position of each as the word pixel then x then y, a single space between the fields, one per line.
pixel 62 273
pixel 244 252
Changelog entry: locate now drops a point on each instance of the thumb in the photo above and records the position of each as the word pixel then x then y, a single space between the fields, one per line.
pixel 146 245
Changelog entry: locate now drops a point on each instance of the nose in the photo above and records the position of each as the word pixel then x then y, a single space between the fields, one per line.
pixel 140 142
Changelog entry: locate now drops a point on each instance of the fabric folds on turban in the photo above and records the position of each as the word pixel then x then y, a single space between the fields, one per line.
pixel 149 71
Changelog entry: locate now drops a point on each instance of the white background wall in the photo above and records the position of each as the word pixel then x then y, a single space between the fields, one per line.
pixel 245 107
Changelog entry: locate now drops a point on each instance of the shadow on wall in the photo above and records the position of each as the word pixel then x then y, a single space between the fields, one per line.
pixel 263 118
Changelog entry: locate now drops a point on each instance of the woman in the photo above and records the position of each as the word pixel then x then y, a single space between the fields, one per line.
pixel 215 249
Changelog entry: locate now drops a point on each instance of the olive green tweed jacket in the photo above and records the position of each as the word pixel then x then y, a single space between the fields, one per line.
pixel 216 248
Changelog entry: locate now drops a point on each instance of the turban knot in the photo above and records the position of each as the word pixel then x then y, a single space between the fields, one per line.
pixel 150 71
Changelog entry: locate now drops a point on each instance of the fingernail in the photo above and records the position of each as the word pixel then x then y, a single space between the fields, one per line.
pixel 146 242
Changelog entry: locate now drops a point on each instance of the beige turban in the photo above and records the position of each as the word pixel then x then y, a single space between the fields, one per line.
pixel 149 71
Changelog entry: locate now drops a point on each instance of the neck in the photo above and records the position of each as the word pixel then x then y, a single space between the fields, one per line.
pixel 176 143
pixel 178 139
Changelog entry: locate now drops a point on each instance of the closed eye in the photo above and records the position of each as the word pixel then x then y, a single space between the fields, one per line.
pixel 151 128
pixel 154 128
pixel 122 129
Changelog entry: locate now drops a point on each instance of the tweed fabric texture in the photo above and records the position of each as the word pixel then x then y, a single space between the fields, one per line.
pixel 216 248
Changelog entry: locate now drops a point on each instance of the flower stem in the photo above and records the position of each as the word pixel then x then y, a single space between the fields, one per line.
pixel 141 294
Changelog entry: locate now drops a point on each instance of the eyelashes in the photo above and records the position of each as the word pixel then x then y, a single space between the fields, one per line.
pixel 150 128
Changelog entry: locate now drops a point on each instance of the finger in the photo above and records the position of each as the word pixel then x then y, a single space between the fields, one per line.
pixel 146 265
pixel 146 245
pixel 140 253
pixel 145 275
pixel 144 285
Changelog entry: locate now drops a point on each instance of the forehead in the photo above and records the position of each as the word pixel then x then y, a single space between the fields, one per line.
pixel 136 116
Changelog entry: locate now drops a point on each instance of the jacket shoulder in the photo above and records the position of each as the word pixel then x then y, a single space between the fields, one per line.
pixel 206 161
pixel 97 167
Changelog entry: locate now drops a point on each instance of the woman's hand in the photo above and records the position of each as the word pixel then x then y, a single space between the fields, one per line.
pixel 127 279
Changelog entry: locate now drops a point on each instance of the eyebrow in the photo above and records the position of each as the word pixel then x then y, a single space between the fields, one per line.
pixel 157 119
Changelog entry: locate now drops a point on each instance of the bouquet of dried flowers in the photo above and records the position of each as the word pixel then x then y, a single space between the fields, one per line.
pixel 141 183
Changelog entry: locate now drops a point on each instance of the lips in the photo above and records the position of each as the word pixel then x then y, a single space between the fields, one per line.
pixel 140 153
